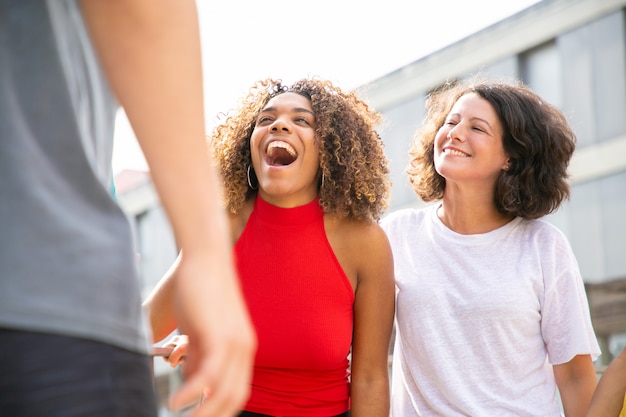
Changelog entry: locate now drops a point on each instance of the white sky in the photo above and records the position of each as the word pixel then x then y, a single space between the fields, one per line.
pixel 350 42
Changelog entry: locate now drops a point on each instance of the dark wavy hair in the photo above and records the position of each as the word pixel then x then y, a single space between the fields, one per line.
pixel 537 139
pixel 353 165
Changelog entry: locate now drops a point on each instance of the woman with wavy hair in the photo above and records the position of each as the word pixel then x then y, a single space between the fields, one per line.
pixel 305 181
pixel 492 315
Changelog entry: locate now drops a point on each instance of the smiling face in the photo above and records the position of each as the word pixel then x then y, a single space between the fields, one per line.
pixel 468 147
pixel 284 152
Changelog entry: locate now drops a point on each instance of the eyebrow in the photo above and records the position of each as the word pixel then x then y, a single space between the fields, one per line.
pixel 483 120
pixel 294 110
pixel 473 118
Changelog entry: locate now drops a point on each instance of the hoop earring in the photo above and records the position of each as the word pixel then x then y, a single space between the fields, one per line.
pixel 250 182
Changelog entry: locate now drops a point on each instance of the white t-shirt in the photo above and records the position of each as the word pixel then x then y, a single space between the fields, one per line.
pixel 481 319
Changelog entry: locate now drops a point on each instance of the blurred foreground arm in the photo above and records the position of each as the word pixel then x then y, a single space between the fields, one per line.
pixel 150 51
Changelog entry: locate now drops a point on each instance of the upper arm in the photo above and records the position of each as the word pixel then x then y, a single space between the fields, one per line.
pixel 150 47
pixel 576 380
pixel 609 397
pixel 373 321
pixel 374 302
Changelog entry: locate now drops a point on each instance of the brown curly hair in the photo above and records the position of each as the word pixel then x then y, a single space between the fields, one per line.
pixel 537 139
pixel 354 168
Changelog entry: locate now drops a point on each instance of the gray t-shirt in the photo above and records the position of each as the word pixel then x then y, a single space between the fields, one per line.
pixel 67 259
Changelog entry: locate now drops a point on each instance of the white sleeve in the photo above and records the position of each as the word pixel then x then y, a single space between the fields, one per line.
pixel 566 322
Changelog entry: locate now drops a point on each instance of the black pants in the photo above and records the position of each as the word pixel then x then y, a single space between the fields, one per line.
pixel 249 414
pixel 57 376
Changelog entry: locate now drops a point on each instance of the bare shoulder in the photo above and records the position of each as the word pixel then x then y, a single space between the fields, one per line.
pixel 359 233
pixel 361 247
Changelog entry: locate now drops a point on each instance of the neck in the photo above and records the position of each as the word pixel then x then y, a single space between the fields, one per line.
pixel 288 200
pixel 471 216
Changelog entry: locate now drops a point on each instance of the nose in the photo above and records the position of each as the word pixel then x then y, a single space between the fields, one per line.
pixel 456 132
pixel 279 125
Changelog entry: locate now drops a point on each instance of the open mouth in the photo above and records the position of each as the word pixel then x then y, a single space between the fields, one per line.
pixel 280 153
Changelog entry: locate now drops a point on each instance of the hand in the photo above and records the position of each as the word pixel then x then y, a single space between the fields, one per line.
pixel 220 353
pixel 179 345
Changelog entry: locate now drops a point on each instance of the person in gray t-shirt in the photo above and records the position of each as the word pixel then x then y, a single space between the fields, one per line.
pixel 74 336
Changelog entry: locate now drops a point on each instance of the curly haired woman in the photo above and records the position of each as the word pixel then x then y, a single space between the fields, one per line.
pixel 491 315
pixel 305 182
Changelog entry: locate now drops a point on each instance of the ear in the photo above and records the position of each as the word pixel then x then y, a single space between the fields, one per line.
pixel 507 165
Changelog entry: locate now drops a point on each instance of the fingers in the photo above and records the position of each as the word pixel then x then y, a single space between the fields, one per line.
pixel 178 355
pixel 222 342
pixel 222 379
pixel 227 397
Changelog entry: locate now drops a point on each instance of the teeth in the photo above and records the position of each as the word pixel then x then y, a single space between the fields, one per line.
pixel 282 145
pixel 455 152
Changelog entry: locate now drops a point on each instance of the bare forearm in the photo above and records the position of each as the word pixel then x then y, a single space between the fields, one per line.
pixel 159 305
pixel 151 54
pixel 369 398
